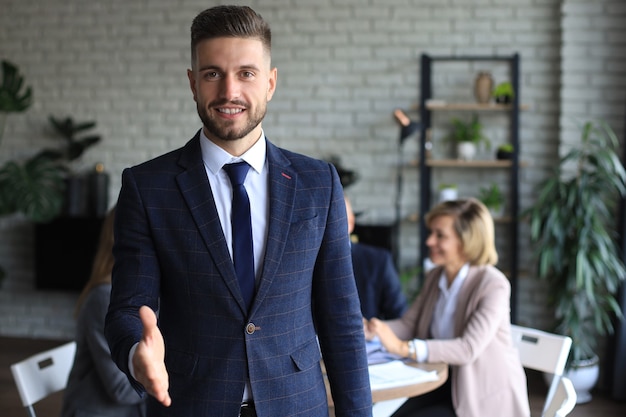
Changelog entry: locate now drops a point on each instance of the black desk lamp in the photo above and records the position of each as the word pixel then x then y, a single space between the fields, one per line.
pixel 407 128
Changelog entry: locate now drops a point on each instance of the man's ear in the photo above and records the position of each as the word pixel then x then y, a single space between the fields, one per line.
pixel 271 85
pixel 192 83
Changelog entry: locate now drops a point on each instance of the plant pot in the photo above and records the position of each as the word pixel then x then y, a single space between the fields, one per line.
pixel 584 377
pixel 447 194
pixel 503 99
pixel 504 155
pixel 466 150
pixel 496 213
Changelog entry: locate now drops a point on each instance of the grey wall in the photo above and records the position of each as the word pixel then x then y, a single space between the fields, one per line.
pixel 343 66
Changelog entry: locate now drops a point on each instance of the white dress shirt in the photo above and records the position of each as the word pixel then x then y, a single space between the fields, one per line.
pixel 256 184
pixel 442 325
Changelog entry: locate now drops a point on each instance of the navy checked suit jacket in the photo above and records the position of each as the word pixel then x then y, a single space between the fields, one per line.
pixel 170 254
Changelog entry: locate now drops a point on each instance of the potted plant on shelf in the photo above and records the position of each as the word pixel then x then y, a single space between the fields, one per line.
pixel 503 93
pixel 505 151
pixel 468 136
pixel 575 240
pixel 493 198
pixel 448 191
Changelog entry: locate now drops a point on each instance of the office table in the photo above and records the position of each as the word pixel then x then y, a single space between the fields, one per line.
pixel 388 400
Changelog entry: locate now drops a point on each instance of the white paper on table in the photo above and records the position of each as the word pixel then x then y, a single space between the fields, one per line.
pixel 397 373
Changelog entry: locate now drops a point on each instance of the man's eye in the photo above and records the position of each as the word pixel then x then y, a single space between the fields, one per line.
pixel 211 75
pixel 247 74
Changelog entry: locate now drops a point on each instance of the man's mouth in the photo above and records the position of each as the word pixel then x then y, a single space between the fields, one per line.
pixel 229 110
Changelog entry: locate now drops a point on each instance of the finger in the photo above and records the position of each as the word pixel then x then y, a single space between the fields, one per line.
pixel 156 377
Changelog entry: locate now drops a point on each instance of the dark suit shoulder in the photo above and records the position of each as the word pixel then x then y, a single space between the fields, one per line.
pixel 188 154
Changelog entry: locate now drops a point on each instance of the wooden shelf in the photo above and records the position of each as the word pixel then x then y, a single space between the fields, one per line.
pixel 459 163
pixel 437 105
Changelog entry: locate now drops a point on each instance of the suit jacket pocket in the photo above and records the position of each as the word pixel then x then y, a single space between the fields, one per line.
pixel 182 363
pixel 307 356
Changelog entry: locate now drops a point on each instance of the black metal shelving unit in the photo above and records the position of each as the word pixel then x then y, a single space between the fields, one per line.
pixel 425 166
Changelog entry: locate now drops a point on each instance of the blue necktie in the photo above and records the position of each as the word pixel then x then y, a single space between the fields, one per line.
pixel 243 254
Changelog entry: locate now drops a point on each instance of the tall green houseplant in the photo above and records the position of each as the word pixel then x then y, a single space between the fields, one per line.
pixel 575 239
pixel 34 186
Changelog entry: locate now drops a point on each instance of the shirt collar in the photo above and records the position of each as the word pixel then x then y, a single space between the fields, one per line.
pixel 458 280
pixel 215 157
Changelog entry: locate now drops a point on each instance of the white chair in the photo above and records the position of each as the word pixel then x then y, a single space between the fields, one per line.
pixel 564 399
pixel 542 351
pixel 43 374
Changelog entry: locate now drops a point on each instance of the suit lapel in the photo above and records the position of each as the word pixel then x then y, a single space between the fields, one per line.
pixel 196 191
pixel 282 192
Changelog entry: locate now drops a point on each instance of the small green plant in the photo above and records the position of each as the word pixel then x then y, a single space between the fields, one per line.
pixel 446 185
pixel 505 151
pixel 491 197
pixel 506 147
pixel 503 92
pixel 471 131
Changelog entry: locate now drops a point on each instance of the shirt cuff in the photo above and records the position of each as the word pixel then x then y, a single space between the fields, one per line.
pixel 131 368
pixel 421 350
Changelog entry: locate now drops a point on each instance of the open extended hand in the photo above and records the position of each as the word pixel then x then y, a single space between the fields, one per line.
pixel 149 359
pixel 387 337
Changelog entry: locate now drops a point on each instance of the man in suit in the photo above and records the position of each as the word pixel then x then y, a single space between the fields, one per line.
pixel 376 277
pixel 210 352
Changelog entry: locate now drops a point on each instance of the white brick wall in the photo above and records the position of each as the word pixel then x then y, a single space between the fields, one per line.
pixel 344 65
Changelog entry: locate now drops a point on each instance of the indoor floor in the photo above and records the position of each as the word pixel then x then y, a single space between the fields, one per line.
pixel 15 349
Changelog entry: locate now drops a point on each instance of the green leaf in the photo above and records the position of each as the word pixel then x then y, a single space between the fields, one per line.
pixel 36 188
pixel 12 99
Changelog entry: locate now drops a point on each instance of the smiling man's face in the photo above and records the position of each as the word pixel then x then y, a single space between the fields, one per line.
pixel 232 82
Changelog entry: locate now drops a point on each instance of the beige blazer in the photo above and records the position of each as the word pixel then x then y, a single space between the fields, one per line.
pixel 486 374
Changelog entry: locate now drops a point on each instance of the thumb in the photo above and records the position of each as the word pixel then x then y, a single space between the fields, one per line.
pixel 149 321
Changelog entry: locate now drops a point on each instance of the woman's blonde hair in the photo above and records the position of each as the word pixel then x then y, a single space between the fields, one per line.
pixel 103 261
pixel 474 226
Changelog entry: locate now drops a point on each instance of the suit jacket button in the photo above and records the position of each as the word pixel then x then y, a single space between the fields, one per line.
pixel 250 328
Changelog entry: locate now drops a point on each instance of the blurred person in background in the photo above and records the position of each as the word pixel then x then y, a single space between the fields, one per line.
pixel 377 280
pixel 96 387
pixel 461 317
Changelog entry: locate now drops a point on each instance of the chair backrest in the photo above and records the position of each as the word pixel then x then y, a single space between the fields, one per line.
pixel 43 374
pixel 542 351
pixel 564 399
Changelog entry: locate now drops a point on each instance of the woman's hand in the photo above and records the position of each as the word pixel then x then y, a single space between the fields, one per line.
pixel 369 335
pixel 387 337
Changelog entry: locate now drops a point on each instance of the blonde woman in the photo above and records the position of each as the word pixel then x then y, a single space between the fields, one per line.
pixel 96 387
pixel 461 317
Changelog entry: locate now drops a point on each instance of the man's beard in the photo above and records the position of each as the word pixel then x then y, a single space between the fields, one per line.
pixel 225 130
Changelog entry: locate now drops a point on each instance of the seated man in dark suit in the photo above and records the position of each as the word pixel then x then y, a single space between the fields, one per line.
pixel 376 277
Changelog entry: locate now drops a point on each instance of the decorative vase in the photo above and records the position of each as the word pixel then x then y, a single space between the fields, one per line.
pixel 483 86
pixel 466 150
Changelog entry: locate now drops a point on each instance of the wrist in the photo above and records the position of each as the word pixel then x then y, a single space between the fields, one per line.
pixel 412 353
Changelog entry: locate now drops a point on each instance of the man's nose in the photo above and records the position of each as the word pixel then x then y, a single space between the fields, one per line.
pixel 230 87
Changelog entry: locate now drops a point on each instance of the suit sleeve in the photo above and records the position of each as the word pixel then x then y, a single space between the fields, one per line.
pixel 338 314
pixel 136 274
